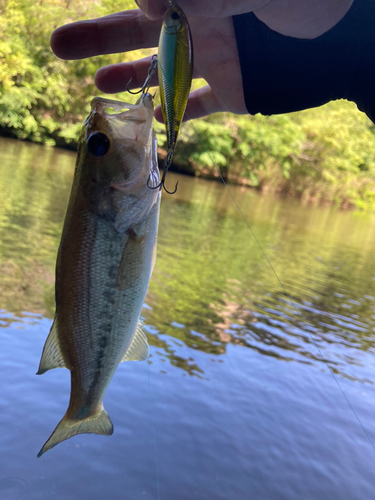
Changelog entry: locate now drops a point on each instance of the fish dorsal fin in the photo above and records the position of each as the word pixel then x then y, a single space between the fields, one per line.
pixel 139 349
pixel 52 356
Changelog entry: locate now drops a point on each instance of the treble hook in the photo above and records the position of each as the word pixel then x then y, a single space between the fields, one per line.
pixel 162 183
pixel 146 86
pixel 167 164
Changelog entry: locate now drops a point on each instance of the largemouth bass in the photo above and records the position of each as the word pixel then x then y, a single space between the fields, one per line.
pixel 105 260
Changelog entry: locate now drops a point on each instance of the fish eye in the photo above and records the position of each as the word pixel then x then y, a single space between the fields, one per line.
pixel 98 144
pixel 175 16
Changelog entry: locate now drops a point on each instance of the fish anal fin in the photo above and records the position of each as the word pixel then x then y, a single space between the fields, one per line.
pixel 138 349
pixel 52 356
pixel 99 423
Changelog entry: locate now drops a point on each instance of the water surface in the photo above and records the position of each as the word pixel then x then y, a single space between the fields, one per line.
pixel 236 401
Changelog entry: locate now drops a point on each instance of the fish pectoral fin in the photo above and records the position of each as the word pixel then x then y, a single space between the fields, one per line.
pixel 139 349
pixel 134 252
pixel 100 423
pixel 52 356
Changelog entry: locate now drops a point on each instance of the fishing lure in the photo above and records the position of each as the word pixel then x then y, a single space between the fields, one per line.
pixel 175 72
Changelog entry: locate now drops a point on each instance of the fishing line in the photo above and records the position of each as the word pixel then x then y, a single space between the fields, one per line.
pixel 275 274
pixel 154 432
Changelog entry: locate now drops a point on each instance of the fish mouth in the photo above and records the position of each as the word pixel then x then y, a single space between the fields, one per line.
pixel 101 104
pixel 127 122
pixel 123 121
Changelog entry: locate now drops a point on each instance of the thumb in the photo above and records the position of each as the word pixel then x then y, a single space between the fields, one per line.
pixel 202 102
pixel 154 9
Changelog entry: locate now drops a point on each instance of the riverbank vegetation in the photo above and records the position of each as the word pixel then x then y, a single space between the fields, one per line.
pixel 325 153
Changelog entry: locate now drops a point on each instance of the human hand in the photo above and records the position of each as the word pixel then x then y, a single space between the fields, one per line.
pixel 215 49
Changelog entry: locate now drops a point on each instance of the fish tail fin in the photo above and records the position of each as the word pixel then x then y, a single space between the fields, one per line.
pixel 99 423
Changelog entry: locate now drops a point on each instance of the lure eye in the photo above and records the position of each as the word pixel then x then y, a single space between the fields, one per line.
pixel 98 144
pixel 175 16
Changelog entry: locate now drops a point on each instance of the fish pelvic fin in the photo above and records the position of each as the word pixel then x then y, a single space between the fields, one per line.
pixel 52 356
pixel 99 423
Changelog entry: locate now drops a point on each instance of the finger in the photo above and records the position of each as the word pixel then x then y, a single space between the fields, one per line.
pixel 202 102
pixel 121 32
pixel 114 78
pixel 153 10
pixel 159 114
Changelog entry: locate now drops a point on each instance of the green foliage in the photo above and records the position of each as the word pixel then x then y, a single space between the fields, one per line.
pixel 326 153
pixel 41 97
pixel 339 155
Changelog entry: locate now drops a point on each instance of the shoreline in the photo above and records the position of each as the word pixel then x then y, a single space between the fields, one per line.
pixel 190 171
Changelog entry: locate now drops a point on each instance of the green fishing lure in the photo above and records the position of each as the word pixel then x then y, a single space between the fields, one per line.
pixel 175 72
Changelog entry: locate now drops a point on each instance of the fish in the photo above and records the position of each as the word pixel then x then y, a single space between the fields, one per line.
pixel 105 260
pixel 175 73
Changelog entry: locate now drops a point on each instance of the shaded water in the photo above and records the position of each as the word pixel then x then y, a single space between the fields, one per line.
pixel 236 402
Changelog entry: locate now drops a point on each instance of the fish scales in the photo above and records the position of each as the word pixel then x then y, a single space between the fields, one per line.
pixel 104 261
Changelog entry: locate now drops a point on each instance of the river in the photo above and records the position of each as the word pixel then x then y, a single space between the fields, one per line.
pixel 235 402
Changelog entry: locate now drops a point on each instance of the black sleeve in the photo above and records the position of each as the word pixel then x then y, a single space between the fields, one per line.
pixel 282 74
